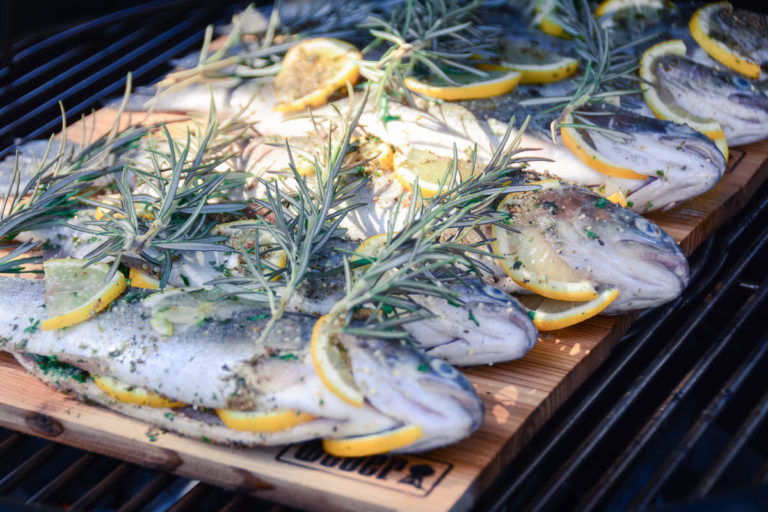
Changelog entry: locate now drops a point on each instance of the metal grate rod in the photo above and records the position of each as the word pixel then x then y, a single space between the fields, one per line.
pixel 756 417
pixel 21 471
pixel 66 476
pixel 116 477
pixel 667 408
pixel 147 493
pixel 583 453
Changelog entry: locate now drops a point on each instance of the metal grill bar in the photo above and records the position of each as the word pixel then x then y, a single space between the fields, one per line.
pixel 704 421
pixel 117 64
pixel 726 456
pixel 93 495
pixel 64 478
pixel 21 471
pixel 147 493
pixel 192 499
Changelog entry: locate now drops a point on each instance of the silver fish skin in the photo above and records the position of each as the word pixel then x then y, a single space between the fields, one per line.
pixel 209 363
pixel 489 326
pixel 689 163
pixel 742 30
pixel 612 246
pixel 738 104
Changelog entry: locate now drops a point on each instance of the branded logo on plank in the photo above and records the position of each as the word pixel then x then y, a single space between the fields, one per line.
pixel 405 473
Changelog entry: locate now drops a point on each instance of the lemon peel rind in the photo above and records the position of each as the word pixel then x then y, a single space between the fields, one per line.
pixel 103 299
pixel 138 396
pixel 699 24
pixel 477 90
pixel 347 74
pixel 711 128
pixel 557 290
pixel 373 444
pixel 581 150
pixel 545 322
pixel 262 422
pixel 349 395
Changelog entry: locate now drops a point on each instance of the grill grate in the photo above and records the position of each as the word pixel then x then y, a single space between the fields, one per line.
pixel 624 440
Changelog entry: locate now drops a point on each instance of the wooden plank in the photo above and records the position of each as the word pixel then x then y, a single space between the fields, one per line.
pixel 519 397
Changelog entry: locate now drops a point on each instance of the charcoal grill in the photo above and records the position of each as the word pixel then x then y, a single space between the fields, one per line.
pixel 675 419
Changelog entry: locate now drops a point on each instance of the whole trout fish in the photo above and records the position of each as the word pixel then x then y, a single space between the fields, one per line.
pixel 215 363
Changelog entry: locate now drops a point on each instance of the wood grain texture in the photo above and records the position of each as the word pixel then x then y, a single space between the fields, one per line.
pixel 519 397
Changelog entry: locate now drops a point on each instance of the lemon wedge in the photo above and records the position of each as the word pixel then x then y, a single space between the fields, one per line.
pixel 313 70
pixel 608 7
pixel 330 361
pixel 74 294
pixel 701 30
pixel 133 395
pixel 670 110
pixel 373 444
pixel 534 63
pixel 430 169
pixel 544 10
pixel 618 198
pixel 377 154
pixel 141 279
pixel 252 421
pixel 470 86
pixel 549 314
pixel 574 140
pixel 531 260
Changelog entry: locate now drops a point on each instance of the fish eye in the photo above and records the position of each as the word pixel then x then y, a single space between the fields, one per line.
pixel 495 293
pixel 740 82
pixel 443 369
pixel 647 227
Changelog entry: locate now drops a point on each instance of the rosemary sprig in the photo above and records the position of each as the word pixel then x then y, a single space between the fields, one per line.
pixel 424 35
pixel 180 190
pixel 607 70
pixel 11 263
pixel 430 252
pixel 301 226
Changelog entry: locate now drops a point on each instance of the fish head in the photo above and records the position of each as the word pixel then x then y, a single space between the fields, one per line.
pixel 739 105
pixel 402 382
pixel 488 326
pixel 688 164
pixel 613 246
pixel 683 163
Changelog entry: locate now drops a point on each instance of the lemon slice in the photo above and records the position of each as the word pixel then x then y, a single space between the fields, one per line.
pixel 74 294
pixel 429 168
pixel 330 361
pixel 470 86
pixel 608 7
pixel 701 30
pixel 582 149
pixel 369 249
pixel 133 395
pixel 544 10
pixel 141 279
pixel 671 111
pixel 313 70
pixel 618 198
pixel 549 315
pixel 379 156
pixel 535 64
pixel 373 444
pixel 252 421
pixel 531 260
